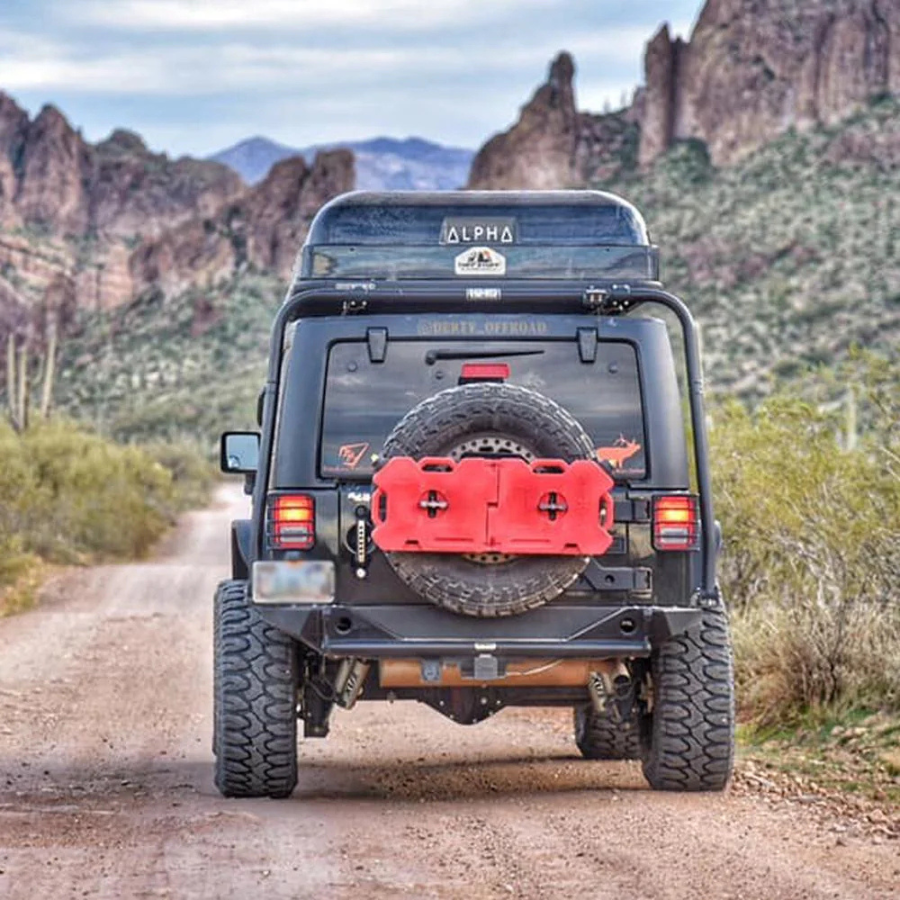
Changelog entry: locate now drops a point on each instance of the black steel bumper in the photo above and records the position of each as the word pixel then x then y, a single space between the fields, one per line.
pixel 379 632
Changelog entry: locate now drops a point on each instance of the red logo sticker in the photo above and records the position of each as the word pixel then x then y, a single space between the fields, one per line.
pixel 350 455
pixel 621 450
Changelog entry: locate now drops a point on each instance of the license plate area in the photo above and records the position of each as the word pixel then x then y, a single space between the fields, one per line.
pixel 308 582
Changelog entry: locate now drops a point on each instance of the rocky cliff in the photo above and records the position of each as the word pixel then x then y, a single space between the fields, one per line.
pixel 54 181
pixel 263 227
pixel 553 145
pixel 751 70
pixel 754 68
pixel 764 152
pixel 110 220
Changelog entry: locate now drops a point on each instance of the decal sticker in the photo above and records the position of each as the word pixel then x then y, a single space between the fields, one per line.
pixel 478 231
pixel 350 455
pixel 480 261
pixel 621 450
pixel 487 327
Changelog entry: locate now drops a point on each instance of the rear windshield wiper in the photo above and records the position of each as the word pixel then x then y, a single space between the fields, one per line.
pixel 432 356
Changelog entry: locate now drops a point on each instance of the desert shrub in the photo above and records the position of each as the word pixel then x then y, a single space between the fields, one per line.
pixel 812 557
pixel 69 496
pixel 193 476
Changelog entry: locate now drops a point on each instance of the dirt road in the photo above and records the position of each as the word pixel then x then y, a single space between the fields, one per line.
pixel 106 787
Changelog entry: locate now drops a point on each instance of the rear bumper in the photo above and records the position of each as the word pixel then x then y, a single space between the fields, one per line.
pixel 553 631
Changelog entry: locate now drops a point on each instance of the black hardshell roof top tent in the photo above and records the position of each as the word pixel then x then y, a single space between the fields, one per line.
pixel 520 234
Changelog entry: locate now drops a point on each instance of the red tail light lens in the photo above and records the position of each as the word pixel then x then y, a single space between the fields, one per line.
pixel 292 522
pixel 676 523
pixel 483 372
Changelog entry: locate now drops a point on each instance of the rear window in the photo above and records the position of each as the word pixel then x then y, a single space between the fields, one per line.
pixel 365 400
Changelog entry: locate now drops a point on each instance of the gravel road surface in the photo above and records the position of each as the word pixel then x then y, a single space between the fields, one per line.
pixel 106 781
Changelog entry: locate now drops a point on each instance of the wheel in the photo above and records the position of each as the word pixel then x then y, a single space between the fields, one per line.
pixel 600 736
pixel 688 735
pixel 255 683
pixel 495 420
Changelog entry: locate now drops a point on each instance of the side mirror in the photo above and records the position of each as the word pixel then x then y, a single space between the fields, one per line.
pixel 239 452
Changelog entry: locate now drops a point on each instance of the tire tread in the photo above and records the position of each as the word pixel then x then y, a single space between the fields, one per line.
pixel 689 745
pixel 255 691
pixel 599 736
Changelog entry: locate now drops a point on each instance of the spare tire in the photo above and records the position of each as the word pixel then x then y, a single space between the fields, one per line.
pixel 488 419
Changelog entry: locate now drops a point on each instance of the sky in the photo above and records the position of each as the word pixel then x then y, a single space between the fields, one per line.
pixel 195 76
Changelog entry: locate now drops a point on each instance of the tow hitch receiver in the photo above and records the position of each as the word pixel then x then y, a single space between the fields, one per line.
pixel 546 507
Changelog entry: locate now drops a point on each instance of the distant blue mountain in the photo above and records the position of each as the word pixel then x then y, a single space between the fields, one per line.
pixel 382 163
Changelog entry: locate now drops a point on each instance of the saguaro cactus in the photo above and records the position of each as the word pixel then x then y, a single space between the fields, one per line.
pixel 25 375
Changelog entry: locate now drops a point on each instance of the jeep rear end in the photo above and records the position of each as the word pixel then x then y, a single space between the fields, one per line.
pixel 473 485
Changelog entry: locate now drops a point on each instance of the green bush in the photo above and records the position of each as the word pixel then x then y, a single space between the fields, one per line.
pixel 811 566
pixel 193 476
pixel 69 496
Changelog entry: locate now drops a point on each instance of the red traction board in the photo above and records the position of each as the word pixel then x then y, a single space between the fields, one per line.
pixel 547 507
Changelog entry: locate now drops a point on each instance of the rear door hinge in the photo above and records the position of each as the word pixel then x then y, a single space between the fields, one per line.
pixel 618 578
pixel 632 511
pixel 377 339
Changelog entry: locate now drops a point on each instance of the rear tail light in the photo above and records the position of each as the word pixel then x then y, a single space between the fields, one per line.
pixel 676 522
pixel 292 522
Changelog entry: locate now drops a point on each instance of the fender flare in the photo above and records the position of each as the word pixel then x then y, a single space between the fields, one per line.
pixel 241 549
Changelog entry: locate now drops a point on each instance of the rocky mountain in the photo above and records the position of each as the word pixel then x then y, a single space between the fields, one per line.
pixel 788 258
pixel 553 145
pixel 763 151
pixel 751 70
pixel 53 180
pixel 382 164
pixel 98 224
pixel 262 228
pixel 754 68
pixel 253 157
pixel 70 210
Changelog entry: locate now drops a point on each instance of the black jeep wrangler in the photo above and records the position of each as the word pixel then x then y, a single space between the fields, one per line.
pixel 472 488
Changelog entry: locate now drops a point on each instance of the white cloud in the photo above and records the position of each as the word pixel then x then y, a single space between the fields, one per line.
pixel 292 15
pixel 179 70
pixel 186 71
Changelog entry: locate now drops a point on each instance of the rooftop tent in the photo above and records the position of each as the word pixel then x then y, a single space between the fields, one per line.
pixel 449 235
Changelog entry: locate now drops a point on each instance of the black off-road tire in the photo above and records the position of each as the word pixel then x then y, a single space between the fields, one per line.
pixel 601 736
pixel 441 423
pixel 688 736
pixel 256 679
